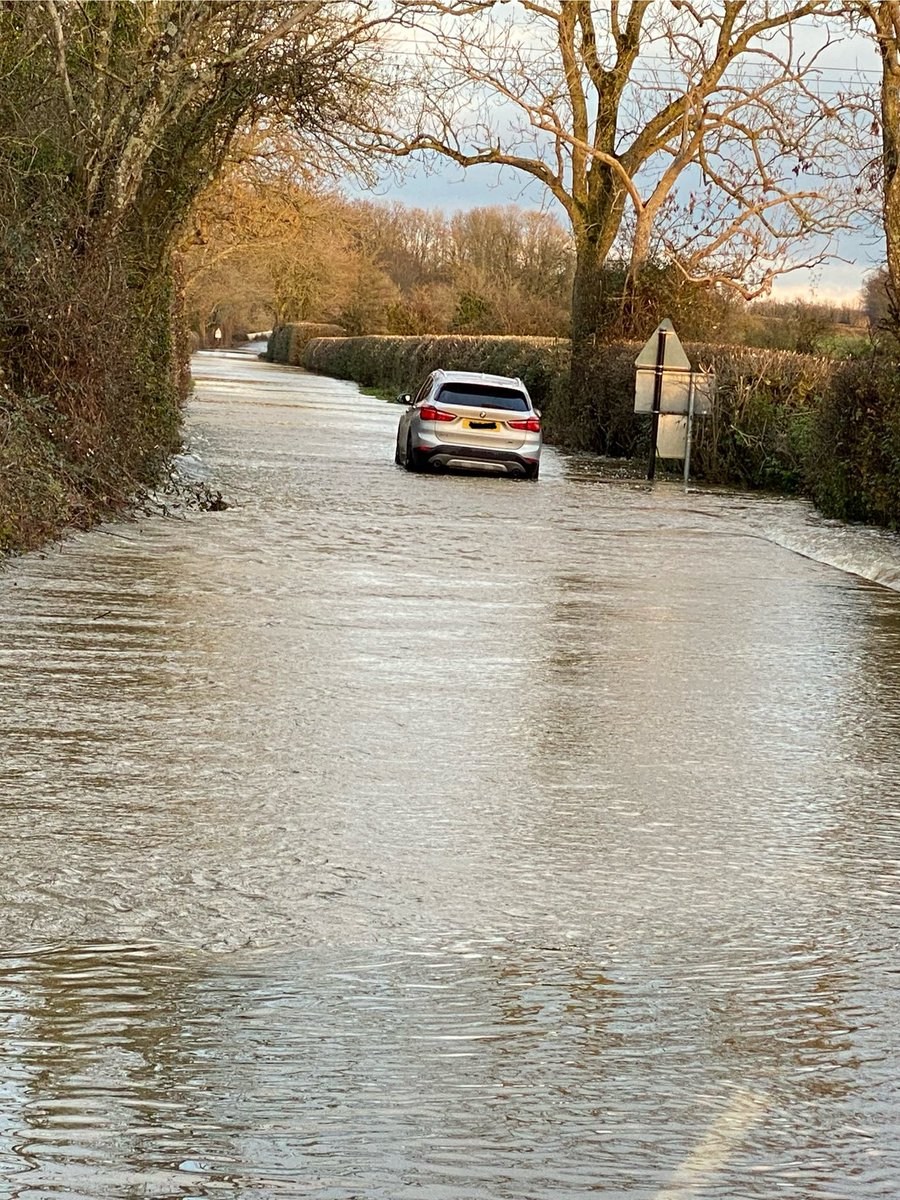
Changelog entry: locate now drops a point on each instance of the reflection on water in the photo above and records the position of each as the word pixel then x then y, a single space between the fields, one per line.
pixel 450 836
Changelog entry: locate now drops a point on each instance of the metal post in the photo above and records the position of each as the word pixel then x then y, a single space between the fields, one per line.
pixel 657 400
pixel 690 430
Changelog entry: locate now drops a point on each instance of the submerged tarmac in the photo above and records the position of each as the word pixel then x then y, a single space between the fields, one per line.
pixel 447 836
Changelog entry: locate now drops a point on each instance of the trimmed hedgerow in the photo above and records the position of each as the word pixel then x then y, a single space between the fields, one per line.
pixel 855 444
pixel 784 421
pixel 760 429
pixel 287 343
pixel 759 434
pixel 400 363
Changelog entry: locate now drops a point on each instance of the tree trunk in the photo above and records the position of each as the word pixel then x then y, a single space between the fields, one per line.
pixel 594 310
pixel 890 120
pixel 632 317
pixel 596 293
pixel 597 313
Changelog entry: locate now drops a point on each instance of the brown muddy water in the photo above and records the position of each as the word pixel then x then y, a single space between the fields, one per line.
pixel 450 838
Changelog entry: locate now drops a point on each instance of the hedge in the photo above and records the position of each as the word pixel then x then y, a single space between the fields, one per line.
pixel 783 421
pixel 287 343
pixel 855 444
pixel 401 363
pixel 758 435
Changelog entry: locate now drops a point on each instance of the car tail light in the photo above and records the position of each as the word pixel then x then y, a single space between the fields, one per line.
pixel 533 425
pixel 428 413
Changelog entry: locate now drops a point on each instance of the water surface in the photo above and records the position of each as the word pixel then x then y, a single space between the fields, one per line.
pixel 447 836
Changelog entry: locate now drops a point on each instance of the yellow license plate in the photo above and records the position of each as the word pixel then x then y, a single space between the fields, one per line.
pixel 473 424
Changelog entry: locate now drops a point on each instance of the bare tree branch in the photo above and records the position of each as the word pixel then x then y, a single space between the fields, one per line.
pixel 572 93
pixel 62 67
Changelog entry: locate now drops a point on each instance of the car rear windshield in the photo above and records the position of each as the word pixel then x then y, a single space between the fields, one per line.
pixel 477 395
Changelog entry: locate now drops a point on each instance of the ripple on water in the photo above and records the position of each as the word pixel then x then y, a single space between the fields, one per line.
pixel 473 1064
pixel 481 840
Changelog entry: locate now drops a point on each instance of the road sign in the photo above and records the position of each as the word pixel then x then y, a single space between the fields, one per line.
pixel 674 357
pixel 676 391
pixel 671 439
pixel 667 387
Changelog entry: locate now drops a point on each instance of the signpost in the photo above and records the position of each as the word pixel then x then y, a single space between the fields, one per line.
pixel 667 387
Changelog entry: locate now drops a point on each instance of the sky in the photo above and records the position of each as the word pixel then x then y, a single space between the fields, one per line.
pixel 445 186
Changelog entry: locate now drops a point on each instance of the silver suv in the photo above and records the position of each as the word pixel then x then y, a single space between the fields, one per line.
pixel 463 419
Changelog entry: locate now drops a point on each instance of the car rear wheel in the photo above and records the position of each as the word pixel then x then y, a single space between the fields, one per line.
pixel 533 471
pixel 413 462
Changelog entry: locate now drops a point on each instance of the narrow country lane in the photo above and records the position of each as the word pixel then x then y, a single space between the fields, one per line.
pixel 447 837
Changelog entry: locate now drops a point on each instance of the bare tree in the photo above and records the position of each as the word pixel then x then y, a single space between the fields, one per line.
pixel 152 93
pixel 268 249
pixel 691 130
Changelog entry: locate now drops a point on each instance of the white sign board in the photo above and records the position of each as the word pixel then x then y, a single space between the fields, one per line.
pixel 675 391
pixel 671 437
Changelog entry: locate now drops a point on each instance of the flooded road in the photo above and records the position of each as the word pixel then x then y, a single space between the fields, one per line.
pixel 447 837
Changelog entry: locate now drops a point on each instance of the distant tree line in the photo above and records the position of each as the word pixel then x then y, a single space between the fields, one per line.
pixel 260 253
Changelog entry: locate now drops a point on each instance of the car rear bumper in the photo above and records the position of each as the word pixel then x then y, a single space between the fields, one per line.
pixel 446 455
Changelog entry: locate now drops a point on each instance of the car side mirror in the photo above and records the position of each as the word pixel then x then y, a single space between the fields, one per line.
pixel 404 399
pixel 537 413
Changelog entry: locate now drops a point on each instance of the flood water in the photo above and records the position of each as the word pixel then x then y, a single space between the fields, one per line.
pixel 447 837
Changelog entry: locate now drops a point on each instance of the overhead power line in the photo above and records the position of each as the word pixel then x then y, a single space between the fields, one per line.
pixel 824 74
